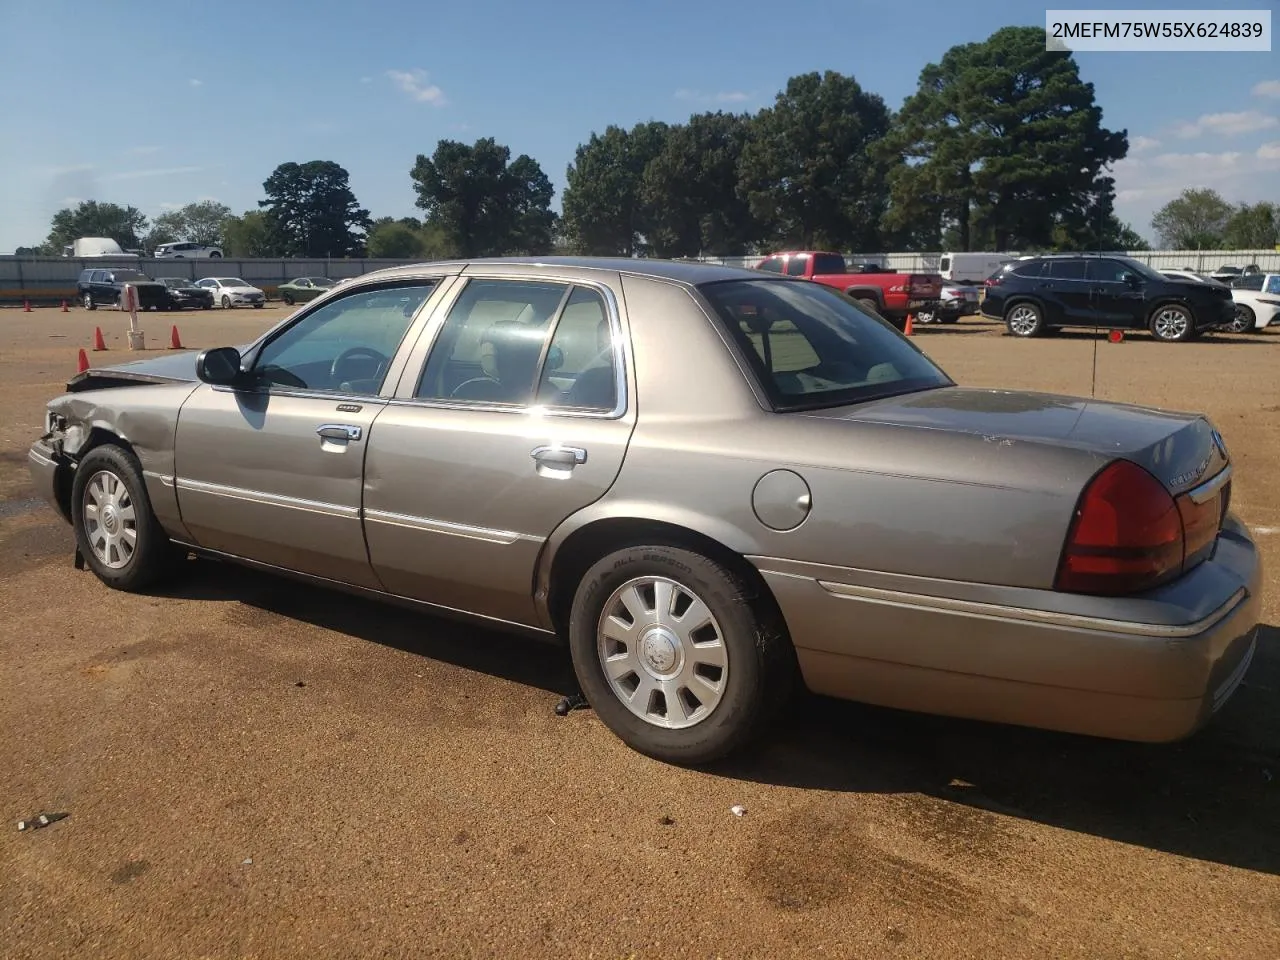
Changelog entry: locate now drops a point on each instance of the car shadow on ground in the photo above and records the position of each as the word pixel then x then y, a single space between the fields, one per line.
pixel 1213 797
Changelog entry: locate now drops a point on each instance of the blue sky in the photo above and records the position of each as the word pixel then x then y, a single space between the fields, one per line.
pixel 159 104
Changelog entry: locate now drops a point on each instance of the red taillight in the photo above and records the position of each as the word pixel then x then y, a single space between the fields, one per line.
pixel 1127 534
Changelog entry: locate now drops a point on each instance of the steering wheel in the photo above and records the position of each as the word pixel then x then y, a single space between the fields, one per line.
pixel 382 359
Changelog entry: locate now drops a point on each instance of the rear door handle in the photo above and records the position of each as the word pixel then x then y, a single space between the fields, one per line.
pixel 339 431
pixel 568 457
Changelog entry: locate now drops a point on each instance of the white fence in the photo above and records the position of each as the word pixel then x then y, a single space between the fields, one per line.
pixel 1198 261
pixel 50 279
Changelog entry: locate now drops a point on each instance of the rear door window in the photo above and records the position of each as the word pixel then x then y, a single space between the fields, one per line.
pixel 1066 269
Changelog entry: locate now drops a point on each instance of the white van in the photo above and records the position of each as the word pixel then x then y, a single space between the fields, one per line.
pixel 95 247
pixel 972 267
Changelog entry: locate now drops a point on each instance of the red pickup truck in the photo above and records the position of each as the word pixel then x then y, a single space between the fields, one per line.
pixel 892 295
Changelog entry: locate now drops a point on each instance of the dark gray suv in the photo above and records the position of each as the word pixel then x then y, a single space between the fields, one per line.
pixel 1035 294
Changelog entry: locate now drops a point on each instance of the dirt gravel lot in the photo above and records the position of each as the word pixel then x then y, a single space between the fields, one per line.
pixel 257 769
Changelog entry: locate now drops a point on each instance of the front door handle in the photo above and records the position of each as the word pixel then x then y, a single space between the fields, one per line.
pixel 566 457
pixel 339 431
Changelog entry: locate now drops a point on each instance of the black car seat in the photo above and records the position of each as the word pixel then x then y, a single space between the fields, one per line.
pixel 596 387
pixel 509 353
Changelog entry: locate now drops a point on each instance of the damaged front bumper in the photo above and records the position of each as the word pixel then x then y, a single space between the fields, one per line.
pixel 51 471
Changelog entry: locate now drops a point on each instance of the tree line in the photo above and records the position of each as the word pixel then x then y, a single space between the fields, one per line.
pixel 1001 146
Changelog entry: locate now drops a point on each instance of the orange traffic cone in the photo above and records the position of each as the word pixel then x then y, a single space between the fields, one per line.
pixel 907 330
pixel 26 306
pixel 98 342
pixel 83 365
pixel 174 342
pixel 64 307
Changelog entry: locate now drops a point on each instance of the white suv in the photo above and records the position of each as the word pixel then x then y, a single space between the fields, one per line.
pixel 181 251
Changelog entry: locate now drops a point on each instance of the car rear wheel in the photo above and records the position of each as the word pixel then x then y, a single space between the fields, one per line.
pixel 1024 320
pixel 215 256
pixel 88 302
pixel 287 299
pixel 116 531
pixel 226 302
pixel 868 305
pixel 1244 320
pixel 1172 323
pixel 677 654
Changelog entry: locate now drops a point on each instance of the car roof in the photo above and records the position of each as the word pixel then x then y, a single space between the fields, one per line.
pixel 679 271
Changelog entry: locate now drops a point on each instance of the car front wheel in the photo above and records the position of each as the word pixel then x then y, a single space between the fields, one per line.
pixel 1172 323
pixel 226 302
pixel 1244 320
pixel 88 302
pixel 116 531
pixel 677 654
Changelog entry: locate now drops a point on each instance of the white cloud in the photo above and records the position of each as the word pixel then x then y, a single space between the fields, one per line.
pixel 196 83
pixel 147 174
pixel 1145 184
pixel 414 83
pixel 1143 144
pixel 1227 124
pixel 141 151
pixel 366 79
pixel 726 96
pixel 1267 88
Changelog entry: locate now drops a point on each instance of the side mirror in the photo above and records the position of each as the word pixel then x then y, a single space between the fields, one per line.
pixel 220 366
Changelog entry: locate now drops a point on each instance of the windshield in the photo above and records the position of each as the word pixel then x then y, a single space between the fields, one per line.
pixel 323 282
pixel 174 281
pixel 1251 282
pixel 810 346
pixel 232 282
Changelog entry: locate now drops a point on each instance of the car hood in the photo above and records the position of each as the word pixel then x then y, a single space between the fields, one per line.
pixel 168 368
pixel 1180 449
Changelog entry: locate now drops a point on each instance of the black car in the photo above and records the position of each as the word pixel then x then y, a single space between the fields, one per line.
pixel 184 293
pixel 103 286
pixel 1035 294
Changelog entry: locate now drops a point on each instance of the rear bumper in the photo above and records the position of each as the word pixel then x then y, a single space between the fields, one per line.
pixel 1127 678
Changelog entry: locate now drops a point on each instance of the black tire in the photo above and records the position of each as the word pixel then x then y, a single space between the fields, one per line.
pixel 88 302
pixel 215 256
pixel 1244 320
pixel 869 305
pixel 1158 322
pixel 1024 319
pixel 259 305
pixel 226 302
pixel 288 300
pixel 761 662
pixel 153 552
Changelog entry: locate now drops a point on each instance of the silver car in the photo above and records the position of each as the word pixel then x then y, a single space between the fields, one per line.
pixel 711 483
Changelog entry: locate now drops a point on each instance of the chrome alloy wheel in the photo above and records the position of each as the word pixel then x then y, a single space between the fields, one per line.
pixel 663 652
pixel 1171 323
pixel 1022 320
pixel 110 523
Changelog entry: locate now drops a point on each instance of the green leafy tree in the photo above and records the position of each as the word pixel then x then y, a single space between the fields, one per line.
pixel 1195 220
pixel 28 252
pixel 166 228
pixel 604 210
pixel 481 202
pixel 392 239
pixel 1253 227
pixel 125 225
pixel 689 190
pixel 1001 137
pixel 251 236
pixel 311 209
pixel 810 171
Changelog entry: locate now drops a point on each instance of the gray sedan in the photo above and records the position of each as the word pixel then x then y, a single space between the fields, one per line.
pixel 712 484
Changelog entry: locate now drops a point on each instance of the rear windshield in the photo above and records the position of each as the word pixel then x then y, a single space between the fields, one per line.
pixel 810 346
pixel 827 263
